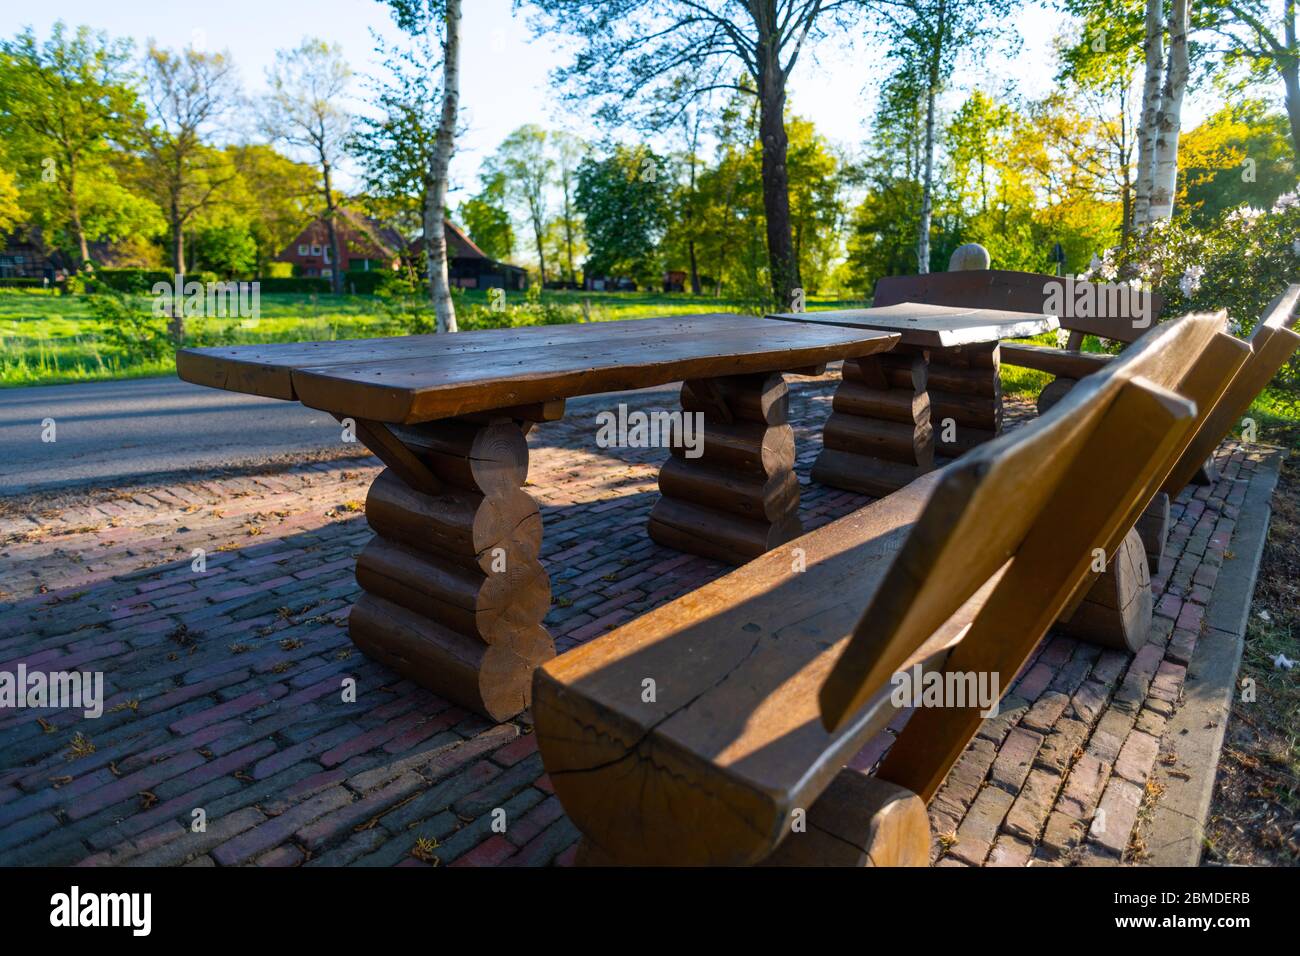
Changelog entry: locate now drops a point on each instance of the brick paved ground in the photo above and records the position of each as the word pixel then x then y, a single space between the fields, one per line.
pixel 223 686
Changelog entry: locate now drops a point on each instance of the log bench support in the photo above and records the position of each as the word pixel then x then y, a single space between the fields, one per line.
pixel 454 592
pixel 740 496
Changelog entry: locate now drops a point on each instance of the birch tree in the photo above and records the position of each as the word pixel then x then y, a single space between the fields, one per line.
pixel 925 38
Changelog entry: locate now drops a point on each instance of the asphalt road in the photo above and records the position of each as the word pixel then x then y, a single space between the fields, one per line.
pixel 113 432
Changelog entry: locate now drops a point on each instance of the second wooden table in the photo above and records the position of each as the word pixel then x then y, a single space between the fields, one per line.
pixel 881 432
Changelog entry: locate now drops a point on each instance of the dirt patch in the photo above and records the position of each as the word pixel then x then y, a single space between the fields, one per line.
pixel 1255 813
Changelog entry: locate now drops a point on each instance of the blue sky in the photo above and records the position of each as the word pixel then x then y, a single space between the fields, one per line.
pixel 505 73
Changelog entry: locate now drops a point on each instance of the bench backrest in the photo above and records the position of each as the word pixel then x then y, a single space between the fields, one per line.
pixel 1271 345
pixel 1035 504
pixel 1107 309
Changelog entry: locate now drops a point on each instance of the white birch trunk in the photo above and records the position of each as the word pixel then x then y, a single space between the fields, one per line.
pixel 435 202
pixel 1148 124
pixel 1165 183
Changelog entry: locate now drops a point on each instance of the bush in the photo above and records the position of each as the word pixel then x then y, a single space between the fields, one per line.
pixel 21 282
pixel 130 326
pixel 1240 262
pixel 366 283
pixel 298 284
pixel 127 280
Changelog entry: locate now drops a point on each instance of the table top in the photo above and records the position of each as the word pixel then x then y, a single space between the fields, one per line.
pixel 416 378
pixel 933 326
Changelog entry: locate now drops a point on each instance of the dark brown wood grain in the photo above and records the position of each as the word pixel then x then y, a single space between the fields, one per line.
pixel 423 378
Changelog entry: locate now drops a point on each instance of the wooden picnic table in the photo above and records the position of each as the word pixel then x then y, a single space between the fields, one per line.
pixel 454 591
pixel 944 375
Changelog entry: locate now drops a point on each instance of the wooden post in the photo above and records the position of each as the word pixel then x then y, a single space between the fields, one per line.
pixel 739 497
pixel 454 591
pixel 878 437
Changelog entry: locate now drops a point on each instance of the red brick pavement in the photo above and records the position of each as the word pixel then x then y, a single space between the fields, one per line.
pixel 224 688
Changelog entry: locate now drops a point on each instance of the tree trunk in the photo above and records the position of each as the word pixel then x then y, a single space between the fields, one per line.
pixel 1148 126
pixel 927 187
pixel 927 182
pixel 1165 183
pixel 695 270
pixel 444 309
pixel 74 210
pixel 1289 67
pixel 331 230
pixel 783 265
pixel 541 250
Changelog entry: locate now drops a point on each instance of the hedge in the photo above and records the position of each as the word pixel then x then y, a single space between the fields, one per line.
pixel 296 284
pixel 21 282
pixel 365 283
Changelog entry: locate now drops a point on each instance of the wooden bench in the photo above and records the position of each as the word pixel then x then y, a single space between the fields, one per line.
pixel 1270 346
pixel 697 733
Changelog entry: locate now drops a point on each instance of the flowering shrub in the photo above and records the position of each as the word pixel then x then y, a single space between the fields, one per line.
pixel 1239 263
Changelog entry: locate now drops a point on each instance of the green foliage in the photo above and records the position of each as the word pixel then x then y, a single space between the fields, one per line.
pixel 1240 155
pixel 1240 262
pixel 487 220
pixel 21 282
pixel 623 199
pixel 295 284
pixel 130 327
pixel 228 250
pixel 65 104
pixel 137 281
pixel 367 283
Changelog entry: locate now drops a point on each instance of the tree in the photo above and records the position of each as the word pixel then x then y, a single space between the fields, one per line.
pixel 526 166
pixel 304 111
pixel 925 39
pixel 624 203
pixel 1240 155
pixel 487 220
pixel 186 93
pixel 666 53
pixel 64 104
pixel 275 196
pixel 425 20
pixel 1261 38
pixel 569 151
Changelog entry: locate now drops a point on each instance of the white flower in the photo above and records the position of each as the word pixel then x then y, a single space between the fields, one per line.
pixel 1191 281
pixel 1245 214
pixel 1285 200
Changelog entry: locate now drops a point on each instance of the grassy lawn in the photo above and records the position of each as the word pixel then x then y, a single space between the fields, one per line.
pixel 47 338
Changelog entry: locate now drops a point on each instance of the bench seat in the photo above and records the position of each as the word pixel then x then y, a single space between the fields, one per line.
pixel 1064 363
pixel 737 666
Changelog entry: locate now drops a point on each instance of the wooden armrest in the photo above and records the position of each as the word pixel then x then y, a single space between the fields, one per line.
pixel 1060 362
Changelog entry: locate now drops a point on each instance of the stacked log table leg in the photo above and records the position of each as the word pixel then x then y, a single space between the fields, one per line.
pixel 878 437
pixel 454 591
pixel 739 497
pixel 965 397
pixel 893 414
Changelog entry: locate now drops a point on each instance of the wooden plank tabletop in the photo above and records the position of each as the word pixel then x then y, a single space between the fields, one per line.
pixel 933 326
pixel 417 378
